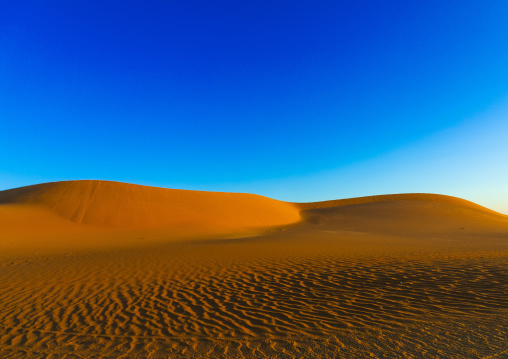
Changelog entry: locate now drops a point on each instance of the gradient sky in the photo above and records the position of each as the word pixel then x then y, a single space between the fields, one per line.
pixel 295 100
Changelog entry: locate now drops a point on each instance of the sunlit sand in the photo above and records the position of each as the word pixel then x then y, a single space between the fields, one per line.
pixel 96 269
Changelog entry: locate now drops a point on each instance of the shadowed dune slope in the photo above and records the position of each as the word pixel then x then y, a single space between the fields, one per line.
pixel 122 205
pixel 410 214
pixel 426 197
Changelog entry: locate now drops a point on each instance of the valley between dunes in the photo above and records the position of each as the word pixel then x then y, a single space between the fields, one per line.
pixel 98 269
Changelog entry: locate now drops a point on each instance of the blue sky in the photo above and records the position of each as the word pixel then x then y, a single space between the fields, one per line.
pixel 294 100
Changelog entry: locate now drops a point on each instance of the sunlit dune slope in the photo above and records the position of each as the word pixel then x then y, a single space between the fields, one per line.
pixel 122 205
pixel 88 215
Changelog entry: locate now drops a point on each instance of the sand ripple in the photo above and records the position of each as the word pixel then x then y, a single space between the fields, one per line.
pixel 175 301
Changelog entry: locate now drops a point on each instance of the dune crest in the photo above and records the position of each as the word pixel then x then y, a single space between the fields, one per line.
pixel 124 205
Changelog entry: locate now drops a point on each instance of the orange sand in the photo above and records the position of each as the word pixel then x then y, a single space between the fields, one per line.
pixel 62 210
pixel 99 269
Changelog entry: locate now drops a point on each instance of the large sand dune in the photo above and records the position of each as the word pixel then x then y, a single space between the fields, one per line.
pixel 102 207
pixel 98 269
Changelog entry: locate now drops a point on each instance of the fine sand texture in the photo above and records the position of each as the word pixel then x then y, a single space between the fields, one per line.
pixel 97 269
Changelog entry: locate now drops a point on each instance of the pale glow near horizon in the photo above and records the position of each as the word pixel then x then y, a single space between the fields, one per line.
pixel 466 161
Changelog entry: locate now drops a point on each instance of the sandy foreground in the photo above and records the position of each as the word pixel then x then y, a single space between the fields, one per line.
pixel 95 269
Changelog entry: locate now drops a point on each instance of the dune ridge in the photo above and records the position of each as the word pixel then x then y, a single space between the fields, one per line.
pixel 75 215
pixel 124 205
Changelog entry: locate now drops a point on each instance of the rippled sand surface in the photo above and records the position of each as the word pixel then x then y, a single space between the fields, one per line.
pixel 390 279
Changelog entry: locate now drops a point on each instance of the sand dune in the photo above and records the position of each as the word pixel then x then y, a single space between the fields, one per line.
pixel 402 197
pixel 123 205
pixel 395 276
pixel 76 208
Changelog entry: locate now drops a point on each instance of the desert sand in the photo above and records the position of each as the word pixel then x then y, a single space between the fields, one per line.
pixel 97 269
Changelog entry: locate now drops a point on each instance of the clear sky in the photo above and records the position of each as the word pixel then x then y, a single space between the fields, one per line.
pixel 295 100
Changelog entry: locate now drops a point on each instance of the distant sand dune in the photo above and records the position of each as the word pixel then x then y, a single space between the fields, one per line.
pixel 425 197
pixel 395 276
